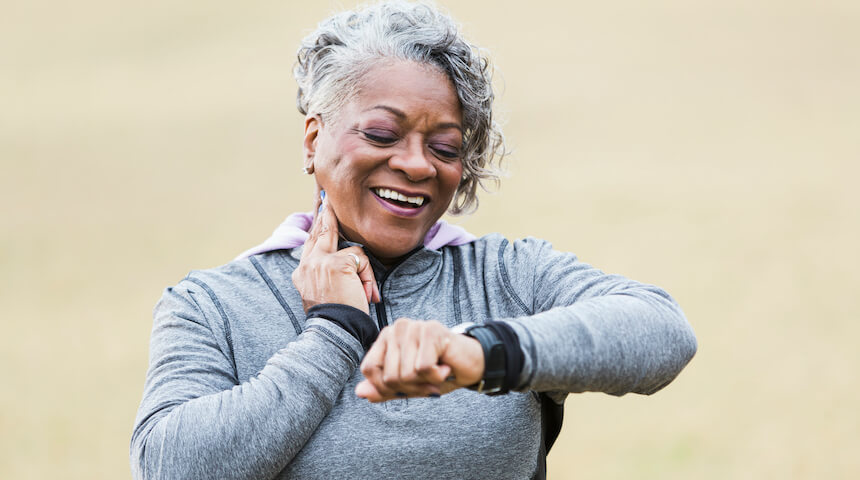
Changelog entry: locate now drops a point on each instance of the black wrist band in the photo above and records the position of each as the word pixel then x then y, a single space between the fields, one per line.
pixel 514 358
pixel 354 321
pixel 493 378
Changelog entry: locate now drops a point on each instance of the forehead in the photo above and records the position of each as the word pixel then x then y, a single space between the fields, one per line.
pixel 412 88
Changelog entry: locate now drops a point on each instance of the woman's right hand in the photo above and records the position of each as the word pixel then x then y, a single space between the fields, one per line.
pixel 328 275
pixel 416 358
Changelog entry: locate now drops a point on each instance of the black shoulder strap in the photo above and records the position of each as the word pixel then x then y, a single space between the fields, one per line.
pixel 551 416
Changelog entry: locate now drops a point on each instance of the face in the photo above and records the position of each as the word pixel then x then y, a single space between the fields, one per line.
pixel 390 162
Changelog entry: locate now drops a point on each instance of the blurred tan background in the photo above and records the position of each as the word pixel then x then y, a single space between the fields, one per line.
pixel 708 147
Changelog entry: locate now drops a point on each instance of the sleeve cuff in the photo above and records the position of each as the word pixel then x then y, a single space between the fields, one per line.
pixel 527 349
pixel 352 320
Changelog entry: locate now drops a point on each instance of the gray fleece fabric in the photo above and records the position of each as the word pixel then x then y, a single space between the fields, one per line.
pixel 241 386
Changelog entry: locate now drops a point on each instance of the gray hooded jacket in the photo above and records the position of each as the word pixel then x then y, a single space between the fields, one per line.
pixel 241 386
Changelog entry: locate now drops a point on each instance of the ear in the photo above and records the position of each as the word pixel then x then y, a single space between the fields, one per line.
pixel 313 124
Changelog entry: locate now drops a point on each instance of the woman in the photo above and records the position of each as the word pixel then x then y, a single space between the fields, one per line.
pixel 337 353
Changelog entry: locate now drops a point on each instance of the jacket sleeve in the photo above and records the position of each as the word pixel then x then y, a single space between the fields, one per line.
pixel 197 421
pixel 584 330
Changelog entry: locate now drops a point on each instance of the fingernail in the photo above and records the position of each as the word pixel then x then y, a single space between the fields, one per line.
pixel 400 394
pixel 433 395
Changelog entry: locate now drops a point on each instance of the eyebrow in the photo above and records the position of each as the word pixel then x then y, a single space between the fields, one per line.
pixel 401 115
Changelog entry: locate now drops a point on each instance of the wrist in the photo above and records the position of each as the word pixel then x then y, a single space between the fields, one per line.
pixel 503 356
pixel 471 369
pixel 492 352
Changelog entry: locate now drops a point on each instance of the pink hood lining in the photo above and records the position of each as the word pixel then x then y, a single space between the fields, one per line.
pixel 293 232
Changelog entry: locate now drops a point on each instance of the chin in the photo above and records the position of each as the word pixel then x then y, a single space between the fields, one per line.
pixel 390 248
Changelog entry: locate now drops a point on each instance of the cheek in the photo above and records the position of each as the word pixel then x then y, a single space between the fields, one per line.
pixel 451 175
pixel 330 164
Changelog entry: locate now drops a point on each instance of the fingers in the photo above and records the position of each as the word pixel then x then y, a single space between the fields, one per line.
pixel 326 275
pixel 323 239
pixel 366 390
pixel 375 297
pixel 404 361
pixel 319 193
pixel 407 374
pixel 318 204
pixel 344 276
pixel 427 359
pixel 373 388
pixel 375 357
pixel 365 273
pixel 398 367
pixel 324 232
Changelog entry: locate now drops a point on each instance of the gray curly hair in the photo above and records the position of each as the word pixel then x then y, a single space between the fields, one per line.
pixel 332 60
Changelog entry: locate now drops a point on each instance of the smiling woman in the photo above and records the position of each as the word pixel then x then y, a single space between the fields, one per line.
pixel 370 339
pixel 390 159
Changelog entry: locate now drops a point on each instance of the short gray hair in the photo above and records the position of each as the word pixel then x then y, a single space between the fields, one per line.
pixel 332 60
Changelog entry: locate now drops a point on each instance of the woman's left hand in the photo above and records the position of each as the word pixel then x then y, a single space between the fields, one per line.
pixel 413 358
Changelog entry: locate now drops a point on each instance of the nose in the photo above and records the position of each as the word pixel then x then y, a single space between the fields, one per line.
pixel 414 161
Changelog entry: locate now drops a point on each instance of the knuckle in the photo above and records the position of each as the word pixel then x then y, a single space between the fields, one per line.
pixel 436 325
pixel 391 380
pixel 364 366
pixel 375 377
pixel 330 263
pixel 423 366
pixel 402 324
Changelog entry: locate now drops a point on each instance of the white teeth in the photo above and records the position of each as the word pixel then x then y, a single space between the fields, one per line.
pixel 391 194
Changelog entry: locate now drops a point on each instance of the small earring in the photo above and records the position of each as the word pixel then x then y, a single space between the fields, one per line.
pixel 308 169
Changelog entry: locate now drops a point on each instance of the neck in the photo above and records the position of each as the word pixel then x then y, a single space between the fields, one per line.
pixel 388 262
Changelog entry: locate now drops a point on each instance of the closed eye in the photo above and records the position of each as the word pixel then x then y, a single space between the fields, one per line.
pixel 380 139
pixel 446 151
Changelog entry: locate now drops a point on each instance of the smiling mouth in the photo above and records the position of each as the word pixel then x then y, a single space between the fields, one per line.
pixel 398 198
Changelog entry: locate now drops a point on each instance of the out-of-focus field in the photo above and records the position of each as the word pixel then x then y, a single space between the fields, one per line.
pixel 712 148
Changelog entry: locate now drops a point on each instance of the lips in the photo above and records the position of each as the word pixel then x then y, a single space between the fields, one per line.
pixel 400 198
pixel 401 203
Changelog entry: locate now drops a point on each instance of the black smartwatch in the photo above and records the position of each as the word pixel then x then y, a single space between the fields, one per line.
pixel 494 356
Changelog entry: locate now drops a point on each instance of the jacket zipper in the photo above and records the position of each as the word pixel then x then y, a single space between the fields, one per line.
pixel 381 316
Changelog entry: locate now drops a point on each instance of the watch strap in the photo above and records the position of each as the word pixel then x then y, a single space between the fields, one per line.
pixel 495 360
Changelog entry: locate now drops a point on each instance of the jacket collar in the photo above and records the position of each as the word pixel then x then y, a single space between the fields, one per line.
pixel 415 268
